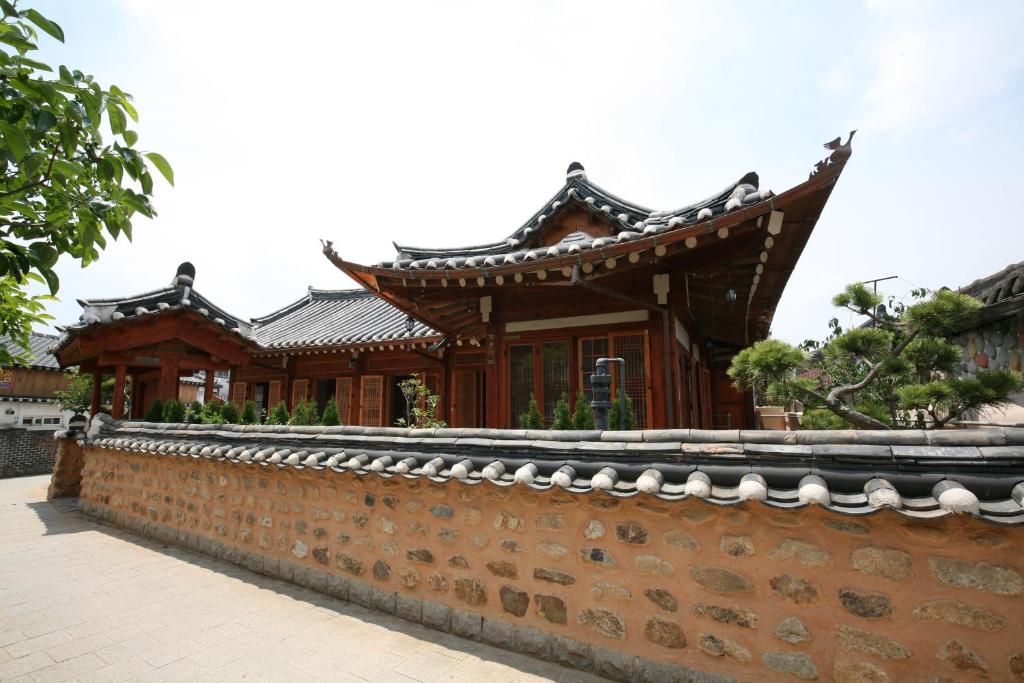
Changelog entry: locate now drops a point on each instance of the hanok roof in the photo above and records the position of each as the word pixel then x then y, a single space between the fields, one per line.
pixel 1000 286
pixel 320 318
pixel 340 317
pixel 918 474
pixel 1002 293
pixel 633 220
pixel 765 235
pixel 40 357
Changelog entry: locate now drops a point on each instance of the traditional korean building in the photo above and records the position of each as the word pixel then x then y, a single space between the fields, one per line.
pixel 675 293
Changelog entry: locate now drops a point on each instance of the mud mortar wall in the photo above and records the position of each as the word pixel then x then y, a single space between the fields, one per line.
pixel 635 589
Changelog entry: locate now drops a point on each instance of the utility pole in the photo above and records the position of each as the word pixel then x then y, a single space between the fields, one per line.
pixel 877 280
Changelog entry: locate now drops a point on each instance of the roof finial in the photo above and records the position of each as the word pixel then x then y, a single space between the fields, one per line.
pixel 840 153
pixel 185 275
pixel 575 170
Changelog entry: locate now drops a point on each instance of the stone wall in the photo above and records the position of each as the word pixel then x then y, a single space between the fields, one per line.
pixel 634 589
pixel 26 451
pixel 996 346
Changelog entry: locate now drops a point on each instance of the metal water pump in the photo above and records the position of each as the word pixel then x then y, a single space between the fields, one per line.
pixel 601 384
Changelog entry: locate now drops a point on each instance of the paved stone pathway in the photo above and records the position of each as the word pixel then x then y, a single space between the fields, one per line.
pixel 81 600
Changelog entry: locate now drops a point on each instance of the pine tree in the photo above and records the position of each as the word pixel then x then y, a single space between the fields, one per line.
pixel 561 418
pixel 330 418
pixel 279 415
pixel 531 419
pixel 583 416
pixel 155 412
pixel 248 416
pixel 174 411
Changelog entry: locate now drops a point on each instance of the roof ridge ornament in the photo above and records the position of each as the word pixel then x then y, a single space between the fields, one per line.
pixel 840 153
pixel 575 170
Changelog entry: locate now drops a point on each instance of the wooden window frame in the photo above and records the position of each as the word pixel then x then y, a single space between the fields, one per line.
pixel 343 397
pixel 382 408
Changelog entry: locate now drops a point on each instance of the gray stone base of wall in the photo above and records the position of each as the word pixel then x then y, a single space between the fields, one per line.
pixel 26 451
pixel 574 654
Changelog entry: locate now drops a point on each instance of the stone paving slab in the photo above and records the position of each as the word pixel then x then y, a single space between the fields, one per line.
pixel 83 601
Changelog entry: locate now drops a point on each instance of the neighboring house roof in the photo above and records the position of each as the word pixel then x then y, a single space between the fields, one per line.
pixel 40 357
pixel 98 311
pixel 634 221
pixel 918 474
pixel 1005 284
pixel 322 317
pixel 1002 293
pixel 335 317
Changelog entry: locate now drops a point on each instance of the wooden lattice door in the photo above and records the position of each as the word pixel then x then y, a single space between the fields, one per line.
pixel 343 397
pixel 371 401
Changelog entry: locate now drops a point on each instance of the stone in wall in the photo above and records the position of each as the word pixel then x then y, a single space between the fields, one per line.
pixel 737 616
pixel 598 556
pixel 666 633
pixel 470 591
pixel 846 671
pixel 720 580
pixel 514 601
pixel 736 546
pixel 606 590
pixel 867 605
pixel 680 539
pixel 796 663
pixel 889 563
pixel 553 576
pixel 958 613
pixel 801 552
pixel 951 571
pixel 792 630
pixel 603 621
pixel 715 646
pixel 662 598
pixel 551 607
pixel 856 640
pixel 800 591
pixel 632 533
pixel 962 658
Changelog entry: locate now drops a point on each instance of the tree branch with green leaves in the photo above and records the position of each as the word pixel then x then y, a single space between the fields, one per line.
pixel 70 173
pixel 895 370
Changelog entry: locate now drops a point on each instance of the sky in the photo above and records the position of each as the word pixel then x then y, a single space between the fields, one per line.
pixel 450 123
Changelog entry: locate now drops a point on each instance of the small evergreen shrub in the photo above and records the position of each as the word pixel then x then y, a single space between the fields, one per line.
pixel 155 412
pixel 531 419
pixel 174 411
pixel 561 418
pixel 330 418
pixel 249 416
pixel 582 416
pixel 622 405
pixel 279 415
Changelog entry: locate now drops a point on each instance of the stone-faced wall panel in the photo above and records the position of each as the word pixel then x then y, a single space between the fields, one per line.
pixel 626 585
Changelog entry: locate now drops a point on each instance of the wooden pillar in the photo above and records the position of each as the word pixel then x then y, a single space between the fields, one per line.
pixel 97 386
pixel 133 394
pixel 168 379
pixel 494 411
pixel 209 388
pixel 117 401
